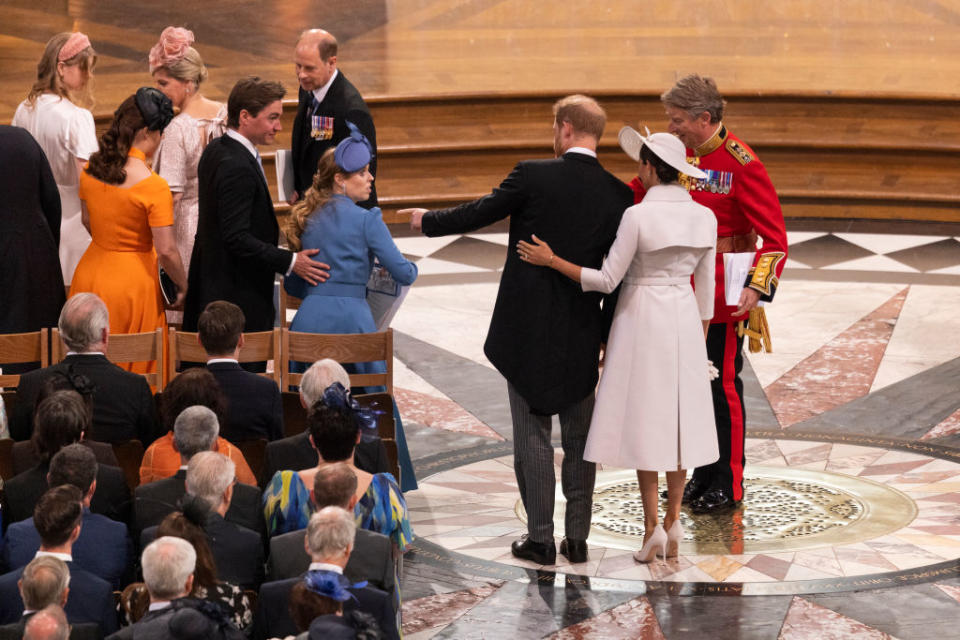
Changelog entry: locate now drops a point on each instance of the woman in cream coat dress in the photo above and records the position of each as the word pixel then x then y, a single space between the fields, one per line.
pixel 654 410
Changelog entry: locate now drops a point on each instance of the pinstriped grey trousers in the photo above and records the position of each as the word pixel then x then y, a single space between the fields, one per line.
pixel 533 464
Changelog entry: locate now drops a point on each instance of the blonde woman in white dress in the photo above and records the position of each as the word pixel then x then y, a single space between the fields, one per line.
pixel 654 410
pixel 178 71
pixel 55 116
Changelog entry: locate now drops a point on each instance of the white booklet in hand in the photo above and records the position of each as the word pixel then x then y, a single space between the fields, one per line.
pixel 384 295
pixel 284 164
pixel 736 267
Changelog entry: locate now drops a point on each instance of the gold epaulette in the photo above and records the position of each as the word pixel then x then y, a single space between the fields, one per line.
pixel 757 330
pixel 739 151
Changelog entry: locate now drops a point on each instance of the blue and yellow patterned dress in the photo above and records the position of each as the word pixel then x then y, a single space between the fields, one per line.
pixel 382 509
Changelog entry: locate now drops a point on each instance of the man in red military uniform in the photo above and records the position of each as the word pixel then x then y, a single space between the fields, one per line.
pixel 739 192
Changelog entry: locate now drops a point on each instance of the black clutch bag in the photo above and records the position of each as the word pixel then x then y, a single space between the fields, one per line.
pixel 168 287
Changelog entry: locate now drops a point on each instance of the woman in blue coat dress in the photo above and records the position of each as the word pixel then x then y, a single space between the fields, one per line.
pixel 349 238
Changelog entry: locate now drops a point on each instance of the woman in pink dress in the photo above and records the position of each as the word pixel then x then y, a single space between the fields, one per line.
pixel 178 70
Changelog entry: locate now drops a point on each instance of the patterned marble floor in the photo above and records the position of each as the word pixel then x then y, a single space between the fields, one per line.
pixel 862 385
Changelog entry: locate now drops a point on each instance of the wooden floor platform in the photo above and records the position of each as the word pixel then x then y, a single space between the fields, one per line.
pixel 852 108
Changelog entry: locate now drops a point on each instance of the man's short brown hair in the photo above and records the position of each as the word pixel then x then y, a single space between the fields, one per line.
pixel 695 95
pixel 583 113
pixel 57 513
pixel 220 326
pixel 253 95
pixel 334 485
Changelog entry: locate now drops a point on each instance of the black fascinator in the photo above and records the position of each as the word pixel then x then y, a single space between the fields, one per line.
pixel 156 108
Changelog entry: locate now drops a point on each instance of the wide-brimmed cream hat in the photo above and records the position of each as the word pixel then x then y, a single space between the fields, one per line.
pixel 665 146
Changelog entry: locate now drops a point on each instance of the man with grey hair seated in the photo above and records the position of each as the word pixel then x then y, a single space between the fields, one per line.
pixel 335 485
pixel 296 452
pixel 329 541
pixel 50 623
pixel 122 402
pixel 103 548
pixel 44 584
pixel 237 551
pixel 195 431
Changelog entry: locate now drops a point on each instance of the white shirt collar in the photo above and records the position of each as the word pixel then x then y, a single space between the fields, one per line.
pixel 215 360
pixel 239 137
pixel 66 557
pixel 159 604
pixel 85 353
pixel 583 150
pixel 323 566
pixel 321 93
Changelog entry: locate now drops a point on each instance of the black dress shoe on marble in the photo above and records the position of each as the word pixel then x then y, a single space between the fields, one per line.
pixel 538 552
pixel 714 501
pixel 574 550
pixel 691 491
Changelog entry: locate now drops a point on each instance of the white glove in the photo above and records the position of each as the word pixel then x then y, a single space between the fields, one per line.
pixel 712 372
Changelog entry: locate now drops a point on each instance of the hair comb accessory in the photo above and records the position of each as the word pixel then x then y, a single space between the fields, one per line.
pixel 331 584
pixel 194 509
pixel 81 383
pixel 170 49
pixel 76 43
pixel 156 108
pixel 354 152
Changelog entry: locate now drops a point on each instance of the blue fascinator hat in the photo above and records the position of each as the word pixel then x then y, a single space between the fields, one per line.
pixel 331 585
pixel 336 397
pixel 354 152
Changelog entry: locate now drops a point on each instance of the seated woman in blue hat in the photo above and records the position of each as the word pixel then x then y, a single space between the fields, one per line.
pixel 349 237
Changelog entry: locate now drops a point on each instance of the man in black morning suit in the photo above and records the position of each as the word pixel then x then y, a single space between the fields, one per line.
pixel 545 332
pixel 235 257
pixel 122 403
pixel 327 101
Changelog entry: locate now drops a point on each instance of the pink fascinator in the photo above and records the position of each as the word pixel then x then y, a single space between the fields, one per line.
pixel 76 43
pixel 170 49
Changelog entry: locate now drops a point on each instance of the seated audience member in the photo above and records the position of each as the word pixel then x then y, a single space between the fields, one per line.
pixel 295 453
pixel 316 606
pixel 103 547
pixel 335 425
pixel 194 431
pixel 122 402
pixel 62 419
pixel 188 524
pixel 254 407
pixel 49 624
pixel 192 387
pixel 58 518
pixel 25 454
pixel 237 551
pixel 329 542
pixel 168 573
pixel 44 583
pixel 335 485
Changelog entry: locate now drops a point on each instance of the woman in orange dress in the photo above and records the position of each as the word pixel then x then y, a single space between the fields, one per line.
pixel 128 210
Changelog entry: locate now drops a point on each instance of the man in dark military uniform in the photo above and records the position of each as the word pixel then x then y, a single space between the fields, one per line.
pixel 739 192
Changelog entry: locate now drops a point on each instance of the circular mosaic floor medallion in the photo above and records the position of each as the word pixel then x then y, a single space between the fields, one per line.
pixel 785 510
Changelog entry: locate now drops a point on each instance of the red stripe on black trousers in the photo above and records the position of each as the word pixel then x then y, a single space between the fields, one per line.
pixel 725 349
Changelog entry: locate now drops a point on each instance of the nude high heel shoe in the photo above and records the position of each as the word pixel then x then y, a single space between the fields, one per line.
pixel 674 536
pixel 656 542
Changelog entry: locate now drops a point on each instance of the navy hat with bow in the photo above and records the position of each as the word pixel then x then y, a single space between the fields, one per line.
pixel 354 152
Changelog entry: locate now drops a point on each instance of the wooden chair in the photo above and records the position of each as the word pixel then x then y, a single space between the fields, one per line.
pixel 382 403
pixel 16 348
pixel 287 303
pixel 254 451
pixel 294 415
pixel 129 455
pixel 126 347
pixel 257 347
pixel 6 459
pixel 342 347
pixel 134 601
pixel 392 457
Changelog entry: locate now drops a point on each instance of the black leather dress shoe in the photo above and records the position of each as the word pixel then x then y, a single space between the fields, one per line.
pixel 539 552
pixel 575 550
pixel 691 492
pixel 714 501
